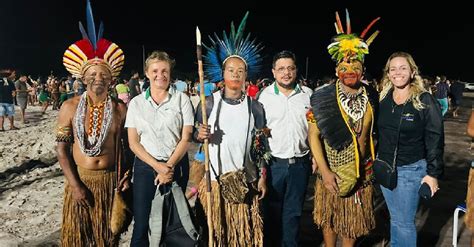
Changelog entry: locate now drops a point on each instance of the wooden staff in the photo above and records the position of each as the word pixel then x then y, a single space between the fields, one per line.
pixel 206 141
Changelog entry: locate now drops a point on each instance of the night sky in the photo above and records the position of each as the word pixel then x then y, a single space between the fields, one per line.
pixel 34 34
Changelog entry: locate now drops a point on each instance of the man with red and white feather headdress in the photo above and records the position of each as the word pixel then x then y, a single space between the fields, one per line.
pixel 90 127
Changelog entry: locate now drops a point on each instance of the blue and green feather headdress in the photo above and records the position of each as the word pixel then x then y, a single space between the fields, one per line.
pixel 232 45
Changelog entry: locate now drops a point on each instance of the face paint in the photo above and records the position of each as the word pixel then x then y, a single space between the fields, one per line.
pixel 350 73
pixel 98 79
pixel 235 73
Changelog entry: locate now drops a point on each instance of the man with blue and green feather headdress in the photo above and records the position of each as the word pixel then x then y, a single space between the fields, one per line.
pixel 235 131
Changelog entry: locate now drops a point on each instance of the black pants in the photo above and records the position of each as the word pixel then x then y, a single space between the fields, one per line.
pixel 144 190
pixel 287 182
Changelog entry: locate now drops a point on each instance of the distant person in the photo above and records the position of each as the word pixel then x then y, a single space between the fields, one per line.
pixel 69 87
pixel 32 87
pixel 141 82
pixel 442 91
pixel 409 114
pixel 469 218
pixel 123 92
pixel 181 86
pixel 195 99
pixel 43 97
pixel 22 95
pixel 7 90
pixel 78 87
pixel 264 83
pixel 63 93
pixel 456 89
pixel 54 90
pixel 146 84
pixel 134 85
pixel 209 88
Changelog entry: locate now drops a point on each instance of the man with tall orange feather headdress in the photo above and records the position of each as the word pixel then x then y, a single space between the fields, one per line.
pixel 340 126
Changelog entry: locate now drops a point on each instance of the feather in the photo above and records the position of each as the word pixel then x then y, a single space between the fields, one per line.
pixel 83 31
pixel 348 22
pixel 372 37
pixel 241 29
pixel 230 43
pixel 91 25
pixel 339 24
pixel 101 31
pixel 232 31
pixel 368 27
pixel 337 29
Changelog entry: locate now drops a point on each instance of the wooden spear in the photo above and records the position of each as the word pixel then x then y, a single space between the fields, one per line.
pixel 206 141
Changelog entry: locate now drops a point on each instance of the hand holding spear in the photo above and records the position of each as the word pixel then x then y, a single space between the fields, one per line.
pixel 206 141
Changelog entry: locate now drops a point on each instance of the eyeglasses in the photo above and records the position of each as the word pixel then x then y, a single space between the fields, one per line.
pixel 282 70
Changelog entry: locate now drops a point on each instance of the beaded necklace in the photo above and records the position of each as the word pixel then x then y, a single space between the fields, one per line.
pixel 96 113
pixel 100 119
pixel 355 105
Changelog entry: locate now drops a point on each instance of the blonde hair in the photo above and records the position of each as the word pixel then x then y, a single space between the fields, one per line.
pixel 416 84
pixel 159 56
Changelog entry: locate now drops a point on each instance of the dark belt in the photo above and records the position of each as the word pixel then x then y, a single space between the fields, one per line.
pixel 292 160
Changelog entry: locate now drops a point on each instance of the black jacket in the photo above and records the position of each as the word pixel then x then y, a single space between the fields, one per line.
pixel 421 133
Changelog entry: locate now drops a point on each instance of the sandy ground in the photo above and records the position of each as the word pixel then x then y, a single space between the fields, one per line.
pixel 31 188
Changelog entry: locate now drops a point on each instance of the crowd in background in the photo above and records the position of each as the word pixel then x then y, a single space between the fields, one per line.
pixel 54 90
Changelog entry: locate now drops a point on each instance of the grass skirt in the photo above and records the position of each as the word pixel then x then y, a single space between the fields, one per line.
pixel 351 216
pixel 89 226
pixel 234 224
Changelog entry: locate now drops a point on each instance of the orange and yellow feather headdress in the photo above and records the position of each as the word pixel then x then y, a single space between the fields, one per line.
pixel 346 45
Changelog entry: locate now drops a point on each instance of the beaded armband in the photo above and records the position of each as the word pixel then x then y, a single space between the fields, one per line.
pixel 64 134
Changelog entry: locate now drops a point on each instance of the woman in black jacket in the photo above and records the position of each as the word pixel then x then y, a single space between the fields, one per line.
pixel 410 116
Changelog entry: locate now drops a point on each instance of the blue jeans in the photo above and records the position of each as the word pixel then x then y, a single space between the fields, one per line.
pixel 402 203
pixel 144 190
pixel 284 204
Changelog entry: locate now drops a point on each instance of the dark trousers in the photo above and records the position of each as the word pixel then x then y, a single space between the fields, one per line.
pixel 283 207
pixel 144 190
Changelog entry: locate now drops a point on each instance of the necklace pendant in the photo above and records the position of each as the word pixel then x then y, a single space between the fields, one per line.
pixel 91 139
